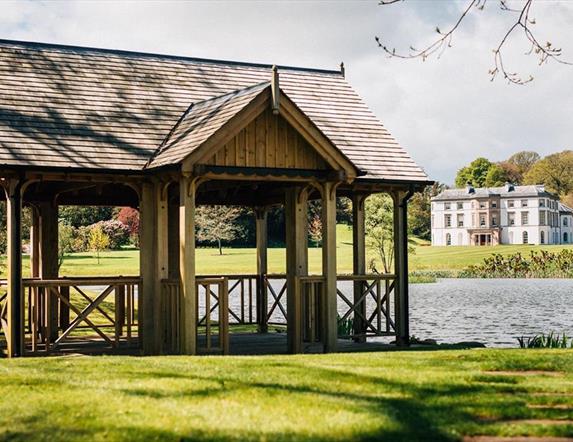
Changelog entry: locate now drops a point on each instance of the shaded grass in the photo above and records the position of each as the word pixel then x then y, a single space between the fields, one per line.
pixel 430 395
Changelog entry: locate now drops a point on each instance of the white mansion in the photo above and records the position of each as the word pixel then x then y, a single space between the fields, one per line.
pixel 500 215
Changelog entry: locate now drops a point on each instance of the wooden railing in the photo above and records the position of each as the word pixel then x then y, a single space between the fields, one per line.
pixel 312 297
pixel 57 311
pixel 277 298
pixel 215 295
pixel 371 313
pixel 171 316
pixel 242 290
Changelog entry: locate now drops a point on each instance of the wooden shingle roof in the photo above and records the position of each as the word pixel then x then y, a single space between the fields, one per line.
pixel 73 107
pixel 200 121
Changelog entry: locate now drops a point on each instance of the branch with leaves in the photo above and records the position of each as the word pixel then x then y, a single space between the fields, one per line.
pixel 545 51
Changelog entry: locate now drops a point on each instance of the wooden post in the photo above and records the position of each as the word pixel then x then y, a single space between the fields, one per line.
pixel 161 264
pixel 15 301
pixel 262 267
pixel 35 243
pixel 401 306
pixel 359 262
pixel 296 207
pixel 49 262
pixel 187 190
pixel 148 260
pixel 330 321
pixel 173 232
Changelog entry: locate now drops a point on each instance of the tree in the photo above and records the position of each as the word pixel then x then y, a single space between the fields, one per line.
pixel 315 230
pixel 130 217
pixel 522 162
pixel 511 172
pixel 216 224
pixel 344 210
pixel 66 241
pixel 379 230
pixel 475 173
pixel 77 216
pixel 420 208
pixel 496 176
pixel 99 241
pixel 523 22
pixel 555 172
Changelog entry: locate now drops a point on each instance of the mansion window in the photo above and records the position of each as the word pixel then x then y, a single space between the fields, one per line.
pixel 542 237
pixel 482 218
pixel 525 238
pixel 541 203
pixel 523 203
pixel 542 218
pixel 447 206
pixel 448 220
pixel 524 218
pixel 565 222
pixel 494 204
pixel 510 203
pixel 448 239
pixel 511 218
pixel 460 220
pixel 494 221
pixel 460 206
pixel 482 204
pixel 565 238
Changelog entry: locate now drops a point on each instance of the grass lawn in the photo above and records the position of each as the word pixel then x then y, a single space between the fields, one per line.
pixel 457 258
pixel 236 261
pixel 394 396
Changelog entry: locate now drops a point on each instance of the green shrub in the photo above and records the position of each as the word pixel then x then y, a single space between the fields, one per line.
pixel 542 264
pixel 117 232
pixel 345 327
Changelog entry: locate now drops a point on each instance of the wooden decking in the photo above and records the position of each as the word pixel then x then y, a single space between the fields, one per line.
pixel 276 343
pixel 272 343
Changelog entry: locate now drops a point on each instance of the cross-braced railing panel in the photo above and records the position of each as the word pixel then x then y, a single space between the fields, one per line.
pixel 242 291
pixel 365 305
pixel 276 287
pixel 66 310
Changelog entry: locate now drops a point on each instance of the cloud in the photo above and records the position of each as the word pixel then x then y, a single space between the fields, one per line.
pixel 445 112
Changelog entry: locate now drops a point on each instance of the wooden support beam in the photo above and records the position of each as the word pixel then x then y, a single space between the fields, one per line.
pixel 401 304
pixel 330 324
pixel 148 262
pixel 261 223
pixel 161 262
pixel 15 299
pixel 35 243
pixel 173 232
pixel 296 207
pixel 49 262
pixel 187 191
pixel 359 262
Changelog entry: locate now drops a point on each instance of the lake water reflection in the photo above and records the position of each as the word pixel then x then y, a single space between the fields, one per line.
pixel 492 311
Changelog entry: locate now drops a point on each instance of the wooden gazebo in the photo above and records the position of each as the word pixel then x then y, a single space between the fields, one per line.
pixel 165 134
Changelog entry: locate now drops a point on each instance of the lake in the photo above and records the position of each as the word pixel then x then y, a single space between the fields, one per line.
pixel 492 311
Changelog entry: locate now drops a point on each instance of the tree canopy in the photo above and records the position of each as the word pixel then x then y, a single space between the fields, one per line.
pixel 555 172
pixel 474 173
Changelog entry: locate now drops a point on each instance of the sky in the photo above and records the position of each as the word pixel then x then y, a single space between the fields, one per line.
pixel 444 111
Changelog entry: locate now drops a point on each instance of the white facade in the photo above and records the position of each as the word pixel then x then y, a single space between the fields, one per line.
pixel 566 224
pixel 500 215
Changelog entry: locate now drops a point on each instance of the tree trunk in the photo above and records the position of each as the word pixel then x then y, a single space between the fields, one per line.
pixel 220 248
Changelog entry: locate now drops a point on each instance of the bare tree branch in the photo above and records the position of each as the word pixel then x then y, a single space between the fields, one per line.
pixel 524 22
